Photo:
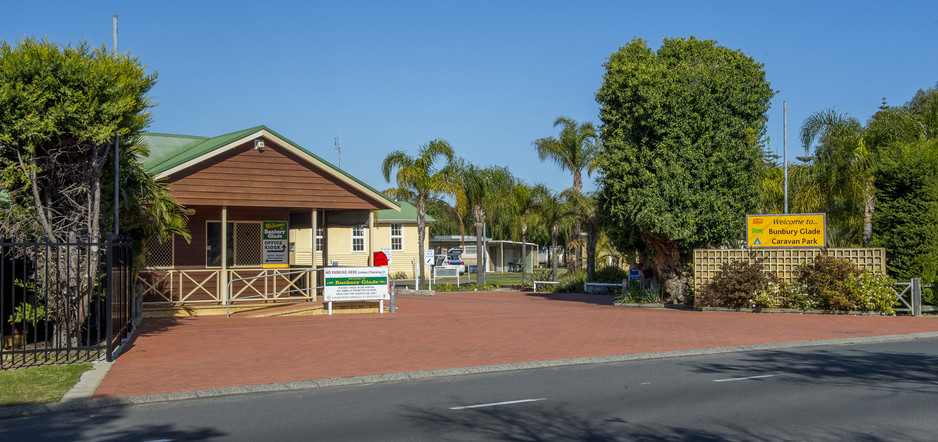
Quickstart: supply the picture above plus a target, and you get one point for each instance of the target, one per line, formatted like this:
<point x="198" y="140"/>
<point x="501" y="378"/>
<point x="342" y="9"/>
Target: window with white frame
<point x="319" y="239"/>
<point x="358" y="239"/>
<point x="397" y="237"/>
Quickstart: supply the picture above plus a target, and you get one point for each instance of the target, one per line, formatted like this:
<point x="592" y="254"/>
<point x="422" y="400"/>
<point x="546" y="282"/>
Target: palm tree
<point x="147" y="208"/>
<point x="418" y="179"/>
<point x="585" y="210"/>
<point x="482" y="188"/>
<point x="575" y="149"/>
<point x="841" y="175"/>
<point x="551" y="211"/>
<point x="522" y="205"/>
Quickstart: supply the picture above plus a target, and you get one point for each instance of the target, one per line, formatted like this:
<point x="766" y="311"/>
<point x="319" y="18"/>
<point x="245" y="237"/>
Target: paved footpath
<point x="446" y="331"/>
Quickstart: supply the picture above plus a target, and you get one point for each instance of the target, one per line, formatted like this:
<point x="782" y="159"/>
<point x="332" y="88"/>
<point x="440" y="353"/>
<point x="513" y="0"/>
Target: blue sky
<point x="487" y="76"/>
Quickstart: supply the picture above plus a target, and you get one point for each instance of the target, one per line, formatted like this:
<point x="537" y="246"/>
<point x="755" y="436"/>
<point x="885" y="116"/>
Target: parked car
<point x="454" y="258"/>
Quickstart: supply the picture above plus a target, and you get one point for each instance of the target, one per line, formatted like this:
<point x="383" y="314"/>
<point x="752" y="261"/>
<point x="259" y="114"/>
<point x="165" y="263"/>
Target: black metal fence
<point x="64" y="302"/>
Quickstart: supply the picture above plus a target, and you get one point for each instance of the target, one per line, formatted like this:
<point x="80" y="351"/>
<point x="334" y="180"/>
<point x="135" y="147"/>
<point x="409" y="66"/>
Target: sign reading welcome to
<point x="355" y="283"/>
<point x="275" y="244"/>
<point x="797" y="230"/>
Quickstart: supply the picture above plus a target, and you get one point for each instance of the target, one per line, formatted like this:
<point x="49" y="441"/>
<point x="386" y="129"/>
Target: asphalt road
<point x="884" y="391"/>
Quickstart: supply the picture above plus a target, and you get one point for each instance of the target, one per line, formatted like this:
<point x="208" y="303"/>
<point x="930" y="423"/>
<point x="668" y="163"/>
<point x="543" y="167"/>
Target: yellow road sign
<point x="792" y="230"/>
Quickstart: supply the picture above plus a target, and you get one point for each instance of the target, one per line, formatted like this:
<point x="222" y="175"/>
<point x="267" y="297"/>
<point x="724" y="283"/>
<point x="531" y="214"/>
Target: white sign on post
<point x="428" y="256"/>
<point x="387" y="252"/>
<point x="356" y="283"/>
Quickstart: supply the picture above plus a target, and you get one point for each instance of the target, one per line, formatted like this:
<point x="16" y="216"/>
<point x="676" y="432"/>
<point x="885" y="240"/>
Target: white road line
<point x="495" y="404"/>
<point x="746" y="378"/>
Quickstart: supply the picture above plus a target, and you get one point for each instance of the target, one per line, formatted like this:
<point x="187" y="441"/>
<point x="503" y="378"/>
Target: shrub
<point x="796" y="295"/>
<point x="837" y="284"/>
<point x="611" y="275"/>
<point x="874" y="292"/>
<point x="735" y="285"/>
<point x="634" y="294"/>
<point x="826" y="280"/>
<point x="571" y="283"/>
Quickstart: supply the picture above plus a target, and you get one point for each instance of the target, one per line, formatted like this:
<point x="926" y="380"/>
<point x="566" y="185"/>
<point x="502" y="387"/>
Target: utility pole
<point x="116" y="157"/>
<point x="785" y="148"/>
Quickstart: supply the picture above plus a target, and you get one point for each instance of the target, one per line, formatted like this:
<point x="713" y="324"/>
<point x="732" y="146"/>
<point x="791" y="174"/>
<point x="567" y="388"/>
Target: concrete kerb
<point x="86" y="403"/>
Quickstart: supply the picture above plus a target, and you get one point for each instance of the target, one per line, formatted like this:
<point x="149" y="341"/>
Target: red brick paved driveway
<point x="449" y="330"/>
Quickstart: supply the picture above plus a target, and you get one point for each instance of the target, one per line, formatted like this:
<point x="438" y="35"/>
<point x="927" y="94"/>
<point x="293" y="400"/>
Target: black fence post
<point x="109" y="308"/>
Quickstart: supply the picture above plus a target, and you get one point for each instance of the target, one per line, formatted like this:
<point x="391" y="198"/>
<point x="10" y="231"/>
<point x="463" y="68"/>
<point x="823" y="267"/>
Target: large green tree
<point x="61" y="109"/>
<point x="907" y="209"/>
<point x="419" y="178"/>
<point x="681" y="131"/>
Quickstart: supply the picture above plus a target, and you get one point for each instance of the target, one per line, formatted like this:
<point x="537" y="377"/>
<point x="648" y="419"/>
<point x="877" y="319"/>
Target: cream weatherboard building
<point x="352" y="243"/>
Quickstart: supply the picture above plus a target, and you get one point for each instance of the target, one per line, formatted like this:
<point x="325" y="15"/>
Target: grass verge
<point x="38" y="385"/>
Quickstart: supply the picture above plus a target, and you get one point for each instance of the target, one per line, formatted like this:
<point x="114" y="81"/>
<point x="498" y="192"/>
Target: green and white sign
<point x="355" y="283"/>
<point x="276" y="244"/>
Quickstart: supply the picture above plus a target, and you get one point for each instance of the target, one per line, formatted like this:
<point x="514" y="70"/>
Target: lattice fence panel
<point x="159" y="253"/>
<point x="784" y="263"/>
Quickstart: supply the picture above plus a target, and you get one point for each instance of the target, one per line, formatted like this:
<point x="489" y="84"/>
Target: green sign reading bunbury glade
<point x="275" y="244"/>
<point x="355" y="283"/>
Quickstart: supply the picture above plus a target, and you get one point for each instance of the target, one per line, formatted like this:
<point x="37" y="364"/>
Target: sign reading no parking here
<point x="794" y="230"/>
<point x="355" y="283"/>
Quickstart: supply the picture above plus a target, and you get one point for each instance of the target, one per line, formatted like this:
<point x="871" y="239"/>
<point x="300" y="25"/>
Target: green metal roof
<point x="407" y="214"/>
<point x="171" y="150"/>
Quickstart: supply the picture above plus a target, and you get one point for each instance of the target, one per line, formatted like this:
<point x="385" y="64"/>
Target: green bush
<point x="837" y="284"/>
<point x="635" y="294"/>
<point x="735" y="285"/>
<point x="611" y="275"/>
<point x="826" y="281"/>
<point x="570" y="283"/>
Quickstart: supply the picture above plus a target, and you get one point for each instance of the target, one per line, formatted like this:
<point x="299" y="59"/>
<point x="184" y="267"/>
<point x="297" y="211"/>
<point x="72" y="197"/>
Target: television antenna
<point x="338" y="148"/>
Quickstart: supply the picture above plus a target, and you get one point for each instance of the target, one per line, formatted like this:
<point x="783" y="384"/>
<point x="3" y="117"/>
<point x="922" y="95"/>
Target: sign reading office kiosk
<point x="356" y="284"/>
<point x="775" y="231"/>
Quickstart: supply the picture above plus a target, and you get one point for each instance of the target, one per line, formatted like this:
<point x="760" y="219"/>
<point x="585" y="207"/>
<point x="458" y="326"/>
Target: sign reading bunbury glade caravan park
<point x="355" y="283"/>
<point x="275" y="244"/>
<point x="793" y="230"/>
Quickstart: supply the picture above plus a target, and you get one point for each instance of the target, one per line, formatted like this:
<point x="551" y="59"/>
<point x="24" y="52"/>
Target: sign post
<point x="780" y="231"/>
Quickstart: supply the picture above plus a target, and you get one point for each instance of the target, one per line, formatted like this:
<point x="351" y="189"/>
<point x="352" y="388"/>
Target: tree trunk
<point x="554" y="237"/>
<point x="577" y="228"/>
<point x="479" y="216"/>
<point x="868" y="219"/>
<point x="421" y="233"/>
<point x="524" y="254"/>
<point x="591" y="253"/>
<point x="665" y="257"/>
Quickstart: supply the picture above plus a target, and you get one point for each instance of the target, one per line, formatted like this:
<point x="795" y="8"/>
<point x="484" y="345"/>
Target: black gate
<point x="64" y="302"/>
